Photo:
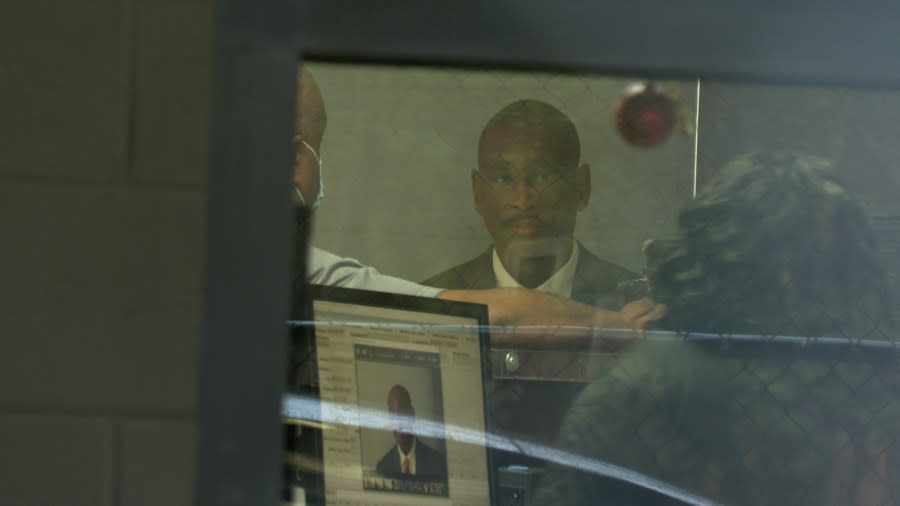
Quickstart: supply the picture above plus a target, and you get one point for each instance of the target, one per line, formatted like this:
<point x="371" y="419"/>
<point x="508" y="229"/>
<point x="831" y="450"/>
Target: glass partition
<point x="691" y="285"/>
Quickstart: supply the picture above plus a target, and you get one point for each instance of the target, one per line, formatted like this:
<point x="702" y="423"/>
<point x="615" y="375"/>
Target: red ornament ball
<point x="645" y="116"/>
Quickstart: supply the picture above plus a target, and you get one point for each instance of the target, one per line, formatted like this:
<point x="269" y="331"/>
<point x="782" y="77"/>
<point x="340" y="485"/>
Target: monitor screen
<point x="401" y="397"/>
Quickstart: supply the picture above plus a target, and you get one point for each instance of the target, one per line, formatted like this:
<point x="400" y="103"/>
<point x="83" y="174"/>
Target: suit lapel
<point x="479" y="272"/>
<point x="582" y="283"/>
<point x="597" y="281"/>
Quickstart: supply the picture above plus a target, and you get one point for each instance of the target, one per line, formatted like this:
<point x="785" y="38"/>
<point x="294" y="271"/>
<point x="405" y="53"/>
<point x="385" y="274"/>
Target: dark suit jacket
<point x="511" y="404"/>
<point x="430" y="463"/>
<point x="597" y="282"/>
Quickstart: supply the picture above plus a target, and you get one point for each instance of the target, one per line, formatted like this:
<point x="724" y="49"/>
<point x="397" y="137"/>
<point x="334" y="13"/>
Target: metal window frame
<point x="257" y="45"/>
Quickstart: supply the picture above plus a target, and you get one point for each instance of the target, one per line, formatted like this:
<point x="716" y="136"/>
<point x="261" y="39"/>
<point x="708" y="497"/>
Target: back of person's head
<point x="310" y="117"/>
<point x="772" y="245"/>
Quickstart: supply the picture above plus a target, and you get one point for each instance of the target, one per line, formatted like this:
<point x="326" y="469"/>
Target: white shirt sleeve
<point x="331" y="270"/>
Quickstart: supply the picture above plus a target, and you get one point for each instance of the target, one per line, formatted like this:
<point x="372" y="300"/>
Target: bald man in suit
<point x="529" y="186"/>
<point x="409" y="458"/>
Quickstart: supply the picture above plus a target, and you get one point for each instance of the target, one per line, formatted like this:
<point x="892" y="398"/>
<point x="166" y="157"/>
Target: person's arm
<point x="519" y="317"/>
<point x="331" y="270"/>
<point x="528" y="317"/>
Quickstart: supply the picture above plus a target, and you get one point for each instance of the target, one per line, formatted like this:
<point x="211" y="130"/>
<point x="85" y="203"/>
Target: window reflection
<point x="767" y="374"/>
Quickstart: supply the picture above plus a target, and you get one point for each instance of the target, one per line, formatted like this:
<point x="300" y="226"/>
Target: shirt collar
<point x="560" y="283"/>
<point x="411" y="456"/>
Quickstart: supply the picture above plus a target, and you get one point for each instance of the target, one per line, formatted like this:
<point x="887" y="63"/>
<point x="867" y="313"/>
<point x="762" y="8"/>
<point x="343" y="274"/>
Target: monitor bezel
<point x="303" y="337"/>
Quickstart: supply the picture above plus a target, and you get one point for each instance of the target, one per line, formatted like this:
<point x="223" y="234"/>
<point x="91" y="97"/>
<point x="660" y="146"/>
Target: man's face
<point x="402" y="414"/>
<point x="528" y="186"/>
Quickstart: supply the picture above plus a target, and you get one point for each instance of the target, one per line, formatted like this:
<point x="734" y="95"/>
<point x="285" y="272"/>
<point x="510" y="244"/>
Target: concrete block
<point x="101" y="299"/>
<point x="157" y="463"/>
<point x="64" y="90"/>
<point x="50" y="460"/>
<point x="173" y="83"/>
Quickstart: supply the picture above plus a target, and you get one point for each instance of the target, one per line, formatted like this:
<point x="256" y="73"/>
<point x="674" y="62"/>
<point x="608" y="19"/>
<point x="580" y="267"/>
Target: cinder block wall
<point x="103" y="168"/>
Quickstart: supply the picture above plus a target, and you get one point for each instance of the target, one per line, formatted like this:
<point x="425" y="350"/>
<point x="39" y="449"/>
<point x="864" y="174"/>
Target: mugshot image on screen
<point x="409" y="384"/>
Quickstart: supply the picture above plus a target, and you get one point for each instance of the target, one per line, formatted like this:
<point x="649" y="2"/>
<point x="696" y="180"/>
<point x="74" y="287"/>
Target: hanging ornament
<point x="645" y="115"/>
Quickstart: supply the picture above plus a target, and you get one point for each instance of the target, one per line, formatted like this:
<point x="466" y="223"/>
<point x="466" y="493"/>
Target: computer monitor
<point x="400" y="399"/>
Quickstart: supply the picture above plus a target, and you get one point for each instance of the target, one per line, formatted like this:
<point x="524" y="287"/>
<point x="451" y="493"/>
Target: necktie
<point x="405" y="464"/>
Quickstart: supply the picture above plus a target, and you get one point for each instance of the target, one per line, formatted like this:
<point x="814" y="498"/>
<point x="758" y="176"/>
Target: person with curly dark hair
<point x="724" y="409"/>
<point x="772" y="245"/>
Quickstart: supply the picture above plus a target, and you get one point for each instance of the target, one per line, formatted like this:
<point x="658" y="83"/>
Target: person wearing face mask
<point x="506" y="306"/>
<point x="325" y="268"/>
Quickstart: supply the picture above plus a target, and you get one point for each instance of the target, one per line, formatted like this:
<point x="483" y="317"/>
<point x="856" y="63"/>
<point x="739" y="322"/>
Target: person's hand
<point x="618" y="330"/>
<point x="635" y="315"/>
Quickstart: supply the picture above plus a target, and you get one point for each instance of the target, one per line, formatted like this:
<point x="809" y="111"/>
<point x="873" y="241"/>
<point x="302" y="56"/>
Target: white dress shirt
<point x="412" y="458"/>
<point x="560" y="283"/>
